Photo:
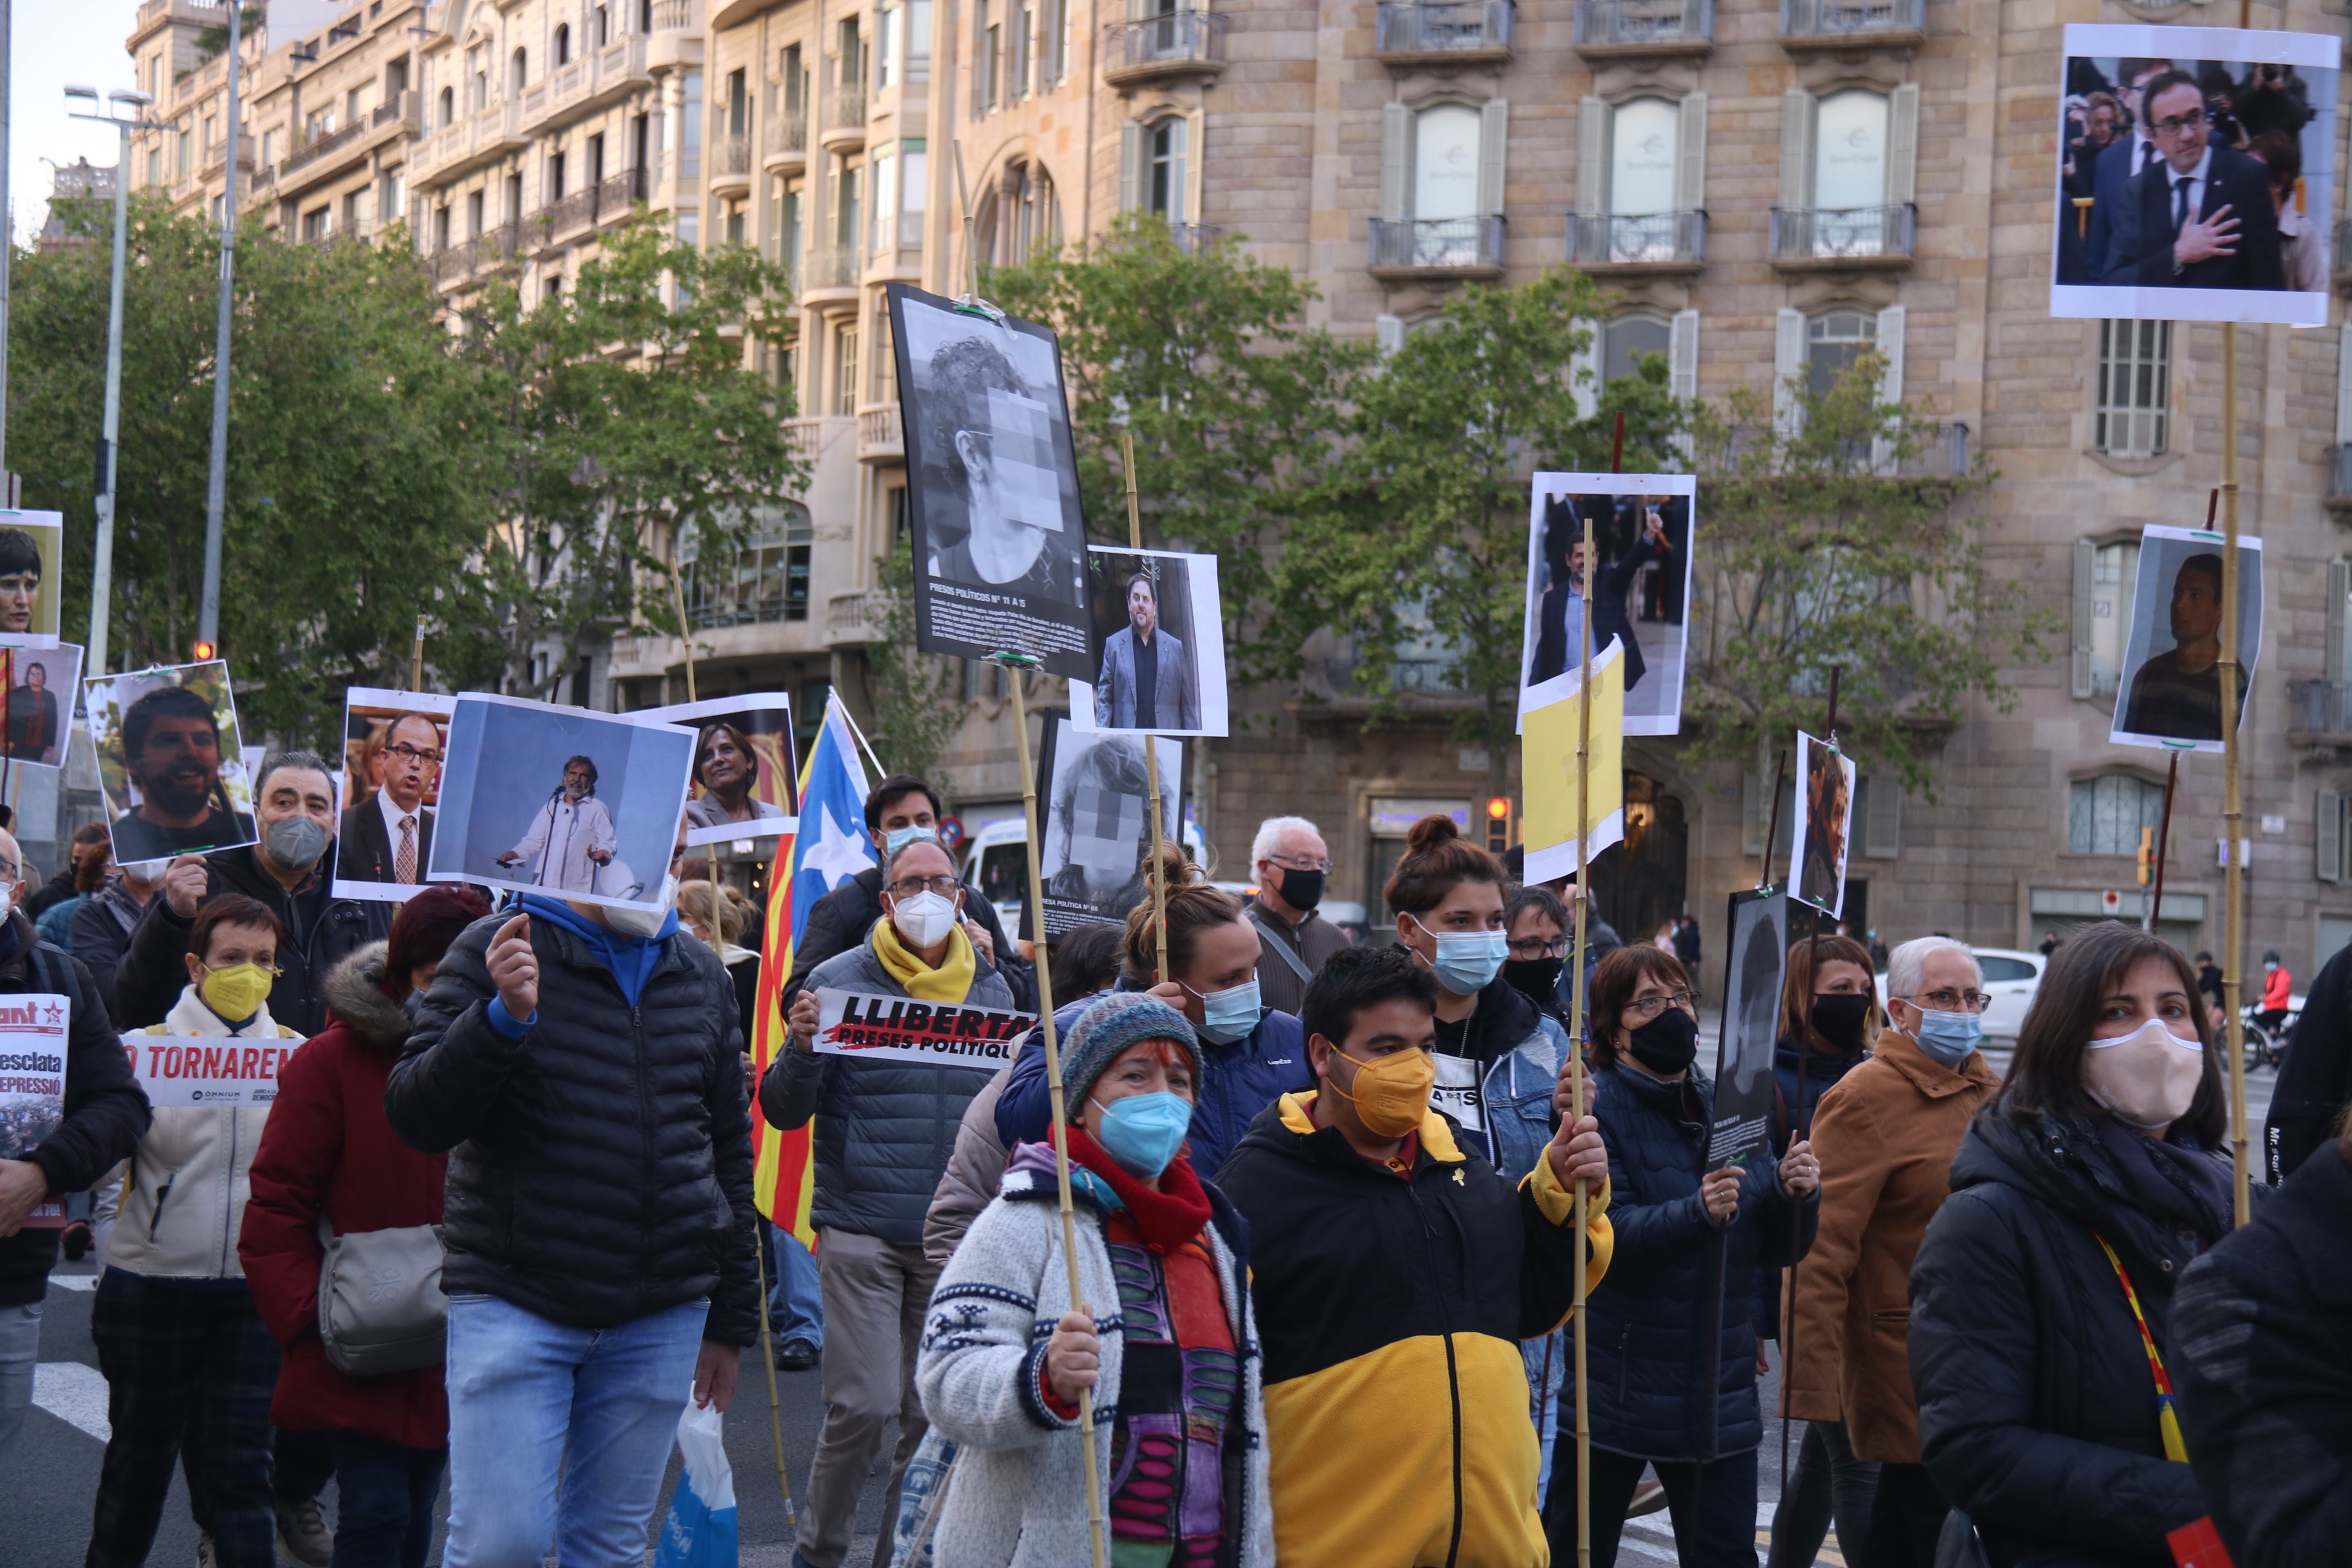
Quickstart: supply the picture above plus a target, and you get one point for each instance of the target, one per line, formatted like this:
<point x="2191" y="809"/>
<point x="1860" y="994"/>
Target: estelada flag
<point x="830" y="848"/>
<point x="1547" y="772"/>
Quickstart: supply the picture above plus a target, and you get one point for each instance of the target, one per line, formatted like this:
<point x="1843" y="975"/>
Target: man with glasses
<point x="884" y="1132"/>
<point x="1885" y="1135"/>
<point x="2206" y="218"/>
<point x="389" y="837"/>
<point x="1291" y="864"/>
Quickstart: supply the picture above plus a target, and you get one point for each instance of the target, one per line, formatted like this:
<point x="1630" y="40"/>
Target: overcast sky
<point x="59" y="43"/>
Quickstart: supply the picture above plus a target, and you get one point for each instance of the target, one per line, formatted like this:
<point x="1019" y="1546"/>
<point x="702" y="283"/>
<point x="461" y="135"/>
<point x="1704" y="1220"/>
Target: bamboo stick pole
<point x="2233" y="873"/>
<point x="1577" y="1024"/>
<point x="1150" y="743"/>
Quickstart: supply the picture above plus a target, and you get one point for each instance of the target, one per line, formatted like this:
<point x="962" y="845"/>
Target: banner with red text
<point x="902" y="1029"/>
<point x="208" y="1069"/>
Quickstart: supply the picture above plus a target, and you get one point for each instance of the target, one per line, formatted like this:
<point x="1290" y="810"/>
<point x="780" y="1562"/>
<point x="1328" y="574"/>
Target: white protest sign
<point x="902" y="1029"/>
<point x="33" y="1082"/>
<point x="1456" y="1092"/>
<point x="208" y="1069"/>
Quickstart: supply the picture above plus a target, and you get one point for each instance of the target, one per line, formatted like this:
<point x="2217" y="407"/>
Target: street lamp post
<point x="101" y="583"/>
<point x="216" y="480"/>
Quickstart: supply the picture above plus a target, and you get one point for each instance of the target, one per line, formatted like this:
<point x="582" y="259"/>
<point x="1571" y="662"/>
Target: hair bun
<point x="1432" y="832"/>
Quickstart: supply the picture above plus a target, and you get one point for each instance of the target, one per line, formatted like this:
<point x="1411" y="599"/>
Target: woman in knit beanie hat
<point x="1162" y="1332"/>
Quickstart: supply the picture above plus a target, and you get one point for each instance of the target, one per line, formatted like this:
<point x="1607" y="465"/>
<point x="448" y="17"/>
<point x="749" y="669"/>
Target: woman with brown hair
<point x="1250" y="1055"/>
<point x="2041" y="1299"/>
<point x="1661" y="1390"/>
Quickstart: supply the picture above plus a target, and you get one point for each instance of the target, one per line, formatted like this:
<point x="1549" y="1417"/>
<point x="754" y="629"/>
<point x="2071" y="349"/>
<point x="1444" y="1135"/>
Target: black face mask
<point x="1302" y="890"/>
<point x="1668" y="1043"/>
<point x="1839" y="1019"/>
<point x="1537" y="978"/>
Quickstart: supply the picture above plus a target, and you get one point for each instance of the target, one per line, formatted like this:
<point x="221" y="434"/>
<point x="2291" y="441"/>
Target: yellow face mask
<point x="235" y="990"/>
<point x="1391" y="1094"/>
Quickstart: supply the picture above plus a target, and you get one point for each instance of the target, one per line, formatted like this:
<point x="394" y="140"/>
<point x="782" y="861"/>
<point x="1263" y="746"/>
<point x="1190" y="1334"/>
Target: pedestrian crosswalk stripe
<point x="75" y="1393"/>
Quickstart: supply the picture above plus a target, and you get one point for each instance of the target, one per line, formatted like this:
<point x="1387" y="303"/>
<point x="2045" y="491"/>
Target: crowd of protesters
<point x="1325" y="1247"/>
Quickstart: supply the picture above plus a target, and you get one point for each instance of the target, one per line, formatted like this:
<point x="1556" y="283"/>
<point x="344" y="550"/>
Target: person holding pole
<point x="1661" y="1389"/>
<point x="1162" y="1334"/>
<point x="1395" y="1279"/>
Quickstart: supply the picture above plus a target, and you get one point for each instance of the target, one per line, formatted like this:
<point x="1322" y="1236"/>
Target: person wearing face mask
<point x="2041" y="1299"/>
<point x="900" y="810"/>
<point x="181" y="1344"/>
<point x="1250" y="1054"/>
<point x="1826" y="1001"/>
<point x="581" y="1066"/>
<point x="1661" y="1390"/>
<point x="1396" y="1277"/>
<point x="1537" y="928"/>
<point x="104" y="920"/>
<point x="884" y="1131"/>
<point x="1163" y="1333"/>
<point x="290" y="872"/>
<point x="1291" y="862"/>
<point x="1886" y="1133"/>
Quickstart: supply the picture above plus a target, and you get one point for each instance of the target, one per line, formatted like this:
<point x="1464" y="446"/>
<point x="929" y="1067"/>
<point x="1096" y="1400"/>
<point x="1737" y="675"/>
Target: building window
<point x="518" y="71"/>
<point x="473" y="214"/>
<point x="795" y="80"/>
<point x="2134" y="386"/>
<point x="446" y="115"/>
<point x="914" y="174"/>
<point x="2115" y="572"/>
<point x="886" y="41"/>
<point x="689" y="129"/>
<point x="1018" y="217"/>
<point x="847" y="206"/>
<point x="1643" y="137"/>
<point x="991" y="31"/>
<point x="315" y="222"/>
<point x="917" y="43"/>
<point x="1445" y="162"/>
<point x="441" y="228"/>
<point x="845" y="370"/>
<point x="1628" y="339"/>
<point x="882" y="372"/>
<point x="563" y="43"/>
<point x="600" y="25"/>
<point x="1850" y="150"/>
<point x="736" y="214"/>
<point x="154" y="165"/>
<point x="885" y="164"/>
<point x="764" y="580"/>
<point x="788" y="230"/>
<point x="739" y="103"/>
<point x="1024" y="21"/>
<point x="555" y="177"/>
<point x="1164" y="181"/>
<point x="1834" y="341"/>
<point x="2104" y="814"/>
<point x="1058" y="39"/>
<point x="392" y="195"/>
<point x="183" y="141"/>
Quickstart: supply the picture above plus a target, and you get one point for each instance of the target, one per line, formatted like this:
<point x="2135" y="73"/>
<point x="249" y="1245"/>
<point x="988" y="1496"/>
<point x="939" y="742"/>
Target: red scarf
<point x="1166" y="1218"/>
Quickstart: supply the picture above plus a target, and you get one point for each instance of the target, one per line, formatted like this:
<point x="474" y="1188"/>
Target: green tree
<point x="1828" y="537"/>
<point x="1414" y="546"/>
<point x="621" y="413"/>
<point x="918" y="698"/>
<point x="355" y="493"/>
<point x="1203" y="355"/>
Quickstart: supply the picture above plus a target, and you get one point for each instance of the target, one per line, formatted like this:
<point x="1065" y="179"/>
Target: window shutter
<point x="1196" y="153"/>
<point x="1903" y="145"/>
<point x="1396" y="134"/>
<point x="1752" y="816"/>
<point x="1690" y="155"/>
<point x="1584" y="371"/>
<point x="1681" y="356"/>
<point x="2339" y="589"/>
<point x="1131" y="166"/>
<point x="1388" y="333"/>
<point x="1882" y="834"/>
<point x="1592" y="157"/>
<point x="1890" y="380"/>
<point x="2343" y="386"/>
<point x="1494" y="140"/>
<point x="2086" y="554"/>
<point x="1788" y="363"/>
<point x="2327" y="836"/>
<point x="1796" y="148"/>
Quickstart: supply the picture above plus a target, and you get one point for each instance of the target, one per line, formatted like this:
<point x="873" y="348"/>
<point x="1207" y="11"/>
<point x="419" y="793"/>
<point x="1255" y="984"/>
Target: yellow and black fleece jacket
<point x="1391" y="1311"/>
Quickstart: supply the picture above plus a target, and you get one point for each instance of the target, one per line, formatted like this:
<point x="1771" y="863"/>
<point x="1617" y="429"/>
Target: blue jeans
<point x="385" y="1516"/>
<point x="532" y="1400"/>
<point x="795" y="1310"/>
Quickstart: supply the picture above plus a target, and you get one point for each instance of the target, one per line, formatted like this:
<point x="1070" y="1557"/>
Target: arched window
<point x="563" y="43"/>
<point x="600" y="27"/>
<point x="521" y="72"/>
<point x="1833" y="341"/>
<point x="1643" y="137"/>
<point x="1445" y="162"/>
<point x="2104" y="814"/>
<point x="448" y="108"/>
<point x="1019" y="215"/>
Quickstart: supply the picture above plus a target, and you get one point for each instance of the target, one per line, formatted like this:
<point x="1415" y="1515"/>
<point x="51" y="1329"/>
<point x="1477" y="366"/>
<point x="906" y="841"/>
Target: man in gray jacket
<point x="874" y="1184"/>
<point x="1145" y="684"/>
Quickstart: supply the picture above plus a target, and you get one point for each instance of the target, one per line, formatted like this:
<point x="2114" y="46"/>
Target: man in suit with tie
<point x="2206" y="218"/>
<point x="2114" y="220"/>
<point x="389" y="838"/>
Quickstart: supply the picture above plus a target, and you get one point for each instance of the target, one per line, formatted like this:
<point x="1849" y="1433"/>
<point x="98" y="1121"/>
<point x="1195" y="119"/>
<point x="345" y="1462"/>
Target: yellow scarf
<point x="950" y="982"/>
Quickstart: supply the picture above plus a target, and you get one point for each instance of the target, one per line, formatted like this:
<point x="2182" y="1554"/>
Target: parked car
<point x="2010" y="980"/>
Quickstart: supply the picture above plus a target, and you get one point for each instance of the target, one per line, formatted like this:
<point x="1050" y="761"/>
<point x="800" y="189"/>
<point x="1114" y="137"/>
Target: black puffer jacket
<point x="2037" y="1407"/>
<point x="322" y="931"/>
<point x="600" y="1166"/>
<point x="2264" y="1373"/>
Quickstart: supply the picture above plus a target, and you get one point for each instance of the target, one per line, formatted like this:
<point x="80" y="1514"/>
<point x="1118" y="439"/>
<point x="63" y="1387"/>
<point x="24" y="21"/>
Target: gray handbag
<point x="381" y="1308"/>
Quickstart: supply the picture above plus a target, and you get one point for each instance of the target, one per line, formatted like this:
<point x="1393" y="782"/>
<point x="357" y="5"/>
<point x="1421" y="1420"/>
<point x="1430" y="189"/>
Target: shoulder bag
<point x="381" y="1308"/>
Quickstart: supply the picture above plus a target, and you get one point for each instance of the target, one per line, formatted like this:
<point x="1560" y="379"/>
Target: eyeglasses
<point x="408" y="754"/>
<point x="10" y="871"/>
<point x="1299" y="862"/>
<point x="1950" y="1001"/>
<point x="908" y="887"/>
<point x="1651" y="1006"/>
<point x="1538" y="947"/>
<point x="2175" y="126"/>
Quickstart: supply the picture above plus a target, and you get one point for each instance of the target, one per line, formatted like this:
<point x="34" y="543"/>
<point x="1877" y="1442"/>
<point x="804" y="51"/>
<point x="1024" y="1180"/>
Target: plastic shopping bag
<point x="700" y="1530"/>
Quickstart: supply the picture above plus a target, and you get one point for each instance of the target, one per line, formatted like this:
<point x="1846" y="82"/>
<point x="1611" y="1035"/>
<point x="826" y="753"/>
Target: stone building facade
<point x="1766" y="189"/>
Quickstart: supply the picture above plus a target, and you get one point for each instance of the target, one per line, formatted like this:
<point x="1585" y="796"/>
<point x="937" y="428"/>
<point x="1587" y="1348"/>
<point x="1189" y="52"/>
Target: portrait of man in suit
<point x="2113" y="238"/>
<point x="1559" y="625"/>
<point x="388" y="837"/>
<point x="32" y="715"/>
<point x="2205" y="213"/>
<point x="1146" y="682"/>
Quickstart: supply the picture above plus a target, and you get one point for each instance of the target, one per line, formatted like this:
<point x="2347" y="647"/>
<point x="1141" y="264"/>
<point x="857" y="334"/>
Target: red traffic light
<point x="1499" y="808"/>
<point x="203" y="651"/>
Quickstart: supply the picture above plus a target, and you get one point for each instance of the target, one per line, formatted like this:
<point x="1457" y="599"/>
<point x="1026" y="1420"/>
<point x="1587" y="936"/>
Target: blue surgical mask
<point x="1468" y="961"/>
<point x="1949" y="1038"/>
<point x="1230" y="1014"/>
<point x="1143" y="1132"/>
<point x="898" y="839"/>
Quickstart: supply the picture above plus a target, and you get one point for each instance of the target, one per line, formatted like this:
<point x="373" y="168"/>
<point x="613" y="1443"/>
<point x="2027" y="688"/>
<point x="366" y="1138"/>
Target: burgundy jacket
<point x="326" y="1144"/>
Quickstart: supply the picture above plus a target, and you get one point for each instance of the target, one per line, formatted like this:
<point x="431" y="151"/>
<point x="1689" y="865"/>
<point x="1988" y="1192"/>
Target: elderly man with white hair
<point x="1290" y="862"/>
<point x="1886" y="1136"/>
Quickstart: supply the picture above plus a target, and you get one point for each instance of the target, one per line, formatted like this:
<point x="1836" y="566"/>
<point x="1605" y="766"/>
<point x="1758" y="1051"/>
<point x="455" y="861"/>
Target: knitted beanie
<point x="1110" y="1026"/>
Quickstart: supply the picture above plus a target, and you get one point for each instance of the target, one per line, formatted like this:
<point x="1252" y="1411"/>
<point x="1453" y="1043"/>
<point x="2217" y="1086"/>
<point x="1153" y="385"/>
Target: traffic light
<point x="203" y="651"/>
<point x="1498" y="824"/>
<point x="2147" y="856"/>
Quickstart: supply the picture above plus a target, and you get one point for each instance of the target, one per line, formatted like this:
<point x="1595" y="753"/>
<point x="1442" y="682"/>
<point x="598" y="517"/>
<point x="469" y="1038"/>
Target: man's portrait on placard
<point x="393" y="746"/>
<point x="170" y="761"/>
<point x="1636" y="592"/>
<point x="2170" y="690"/>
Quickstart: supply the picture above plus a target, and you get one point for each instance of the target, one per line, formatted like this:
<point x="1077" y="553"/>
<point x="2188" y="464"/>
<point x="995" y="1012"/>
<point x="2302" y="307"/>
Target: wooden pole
<point x="1150" y="743"/>
<point x="417" y="659"/>
<point x="1576" y="1031"/>
<point x="2232" y="808"/>
<point x="972" y="278"/>
<point x="2163" y="842"/>
<point x="1014" y="665"/>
